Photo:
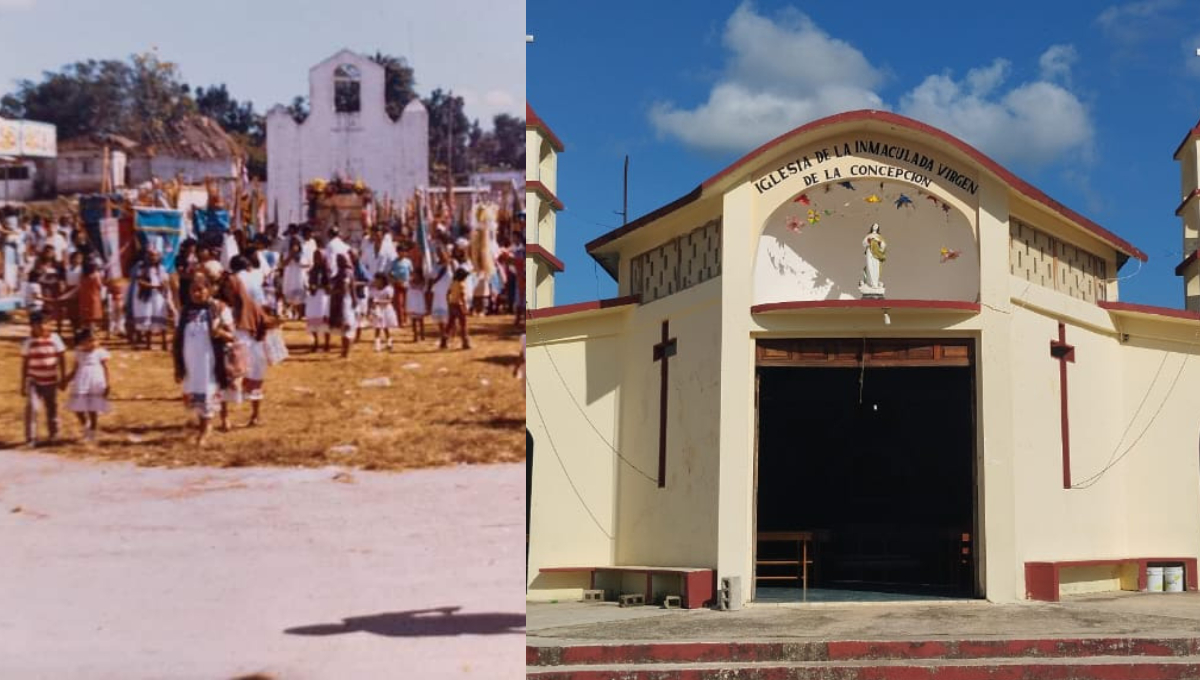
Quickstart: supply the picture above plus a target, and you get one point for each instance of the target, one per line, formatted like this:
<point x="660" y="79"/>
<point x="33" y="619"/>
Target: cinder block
<point x="630" y="599"/>
<point x="593" y="596"/>
<point x="672" y="602"/>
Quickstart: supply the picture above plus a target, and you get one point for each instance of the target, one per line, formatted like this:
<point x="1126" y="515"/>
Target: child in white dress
<point x="205" y="325"/>
<point x="88" y="383"/>
<point x="294" y="275"/>
<point x="414" y="303"/>
<point x="383" y="314"/>
<point x="150" y="308"/>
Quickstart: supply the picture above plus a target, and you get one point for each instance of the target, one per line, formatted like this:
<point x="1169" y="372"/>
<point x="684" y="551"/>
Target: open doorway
<point x="865" y="470"/>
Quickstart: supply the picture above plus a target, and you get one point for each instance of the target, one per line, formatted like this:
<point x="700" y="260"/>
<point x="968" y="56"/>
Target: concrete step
<point x="849" y="650"/>
<point x="1080" y="668"/>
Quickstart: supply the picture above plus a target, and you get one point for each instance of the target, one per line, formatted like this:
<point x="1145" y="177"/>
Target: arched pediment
<point x="812" y="247"/>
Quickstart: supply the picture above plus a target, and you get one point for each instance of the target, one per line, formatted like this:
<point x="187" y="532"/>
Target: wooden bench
<point x="1042" y="579"/>
<point x="698" y="585"/>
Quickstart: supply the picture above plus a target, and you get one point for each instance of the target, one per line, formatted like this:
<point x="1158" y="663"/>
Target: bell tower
<point x="542" y="147"/>
<point x="1188" y="155"/>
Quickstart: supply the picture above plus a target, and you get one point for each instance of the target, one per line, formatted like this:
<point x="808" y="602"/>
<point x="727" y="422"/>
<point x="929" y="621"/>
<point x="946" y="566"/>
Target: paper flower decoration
<point x="848" y="185"/>
<point x="932" y="199"/>
<point x="903" y="201"/>
<point x="872" y="199"/>
<point x="949" y="254"/>
<point x="813" y="217"/>
<point x="802" y="199"/>
<point x="945" y="207"/>
<point x="793" y="223"/>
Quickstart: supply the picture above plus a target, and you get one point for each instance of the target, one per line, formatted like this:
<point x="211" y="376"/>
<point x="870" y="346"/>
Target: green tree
<point x="83" y="98"/>
<point x="157" y="97"/>
<point x="399" y="83"/>
<point x="449" y="129"/>
<point x="298" y="108"/>
<point x="234" y="117"/>
<point x="509" y="132"/>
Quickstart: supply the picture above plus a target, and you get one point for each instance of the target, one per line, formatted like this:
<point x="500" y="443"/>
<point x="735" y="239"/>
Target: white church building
<point x="347" y="134"/>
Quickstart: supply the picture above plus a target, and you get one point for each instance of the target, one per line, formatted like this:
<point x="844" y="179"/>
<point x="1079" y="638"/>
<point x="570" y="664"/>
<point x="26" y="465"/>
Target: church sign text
<point x="812" y="166"/>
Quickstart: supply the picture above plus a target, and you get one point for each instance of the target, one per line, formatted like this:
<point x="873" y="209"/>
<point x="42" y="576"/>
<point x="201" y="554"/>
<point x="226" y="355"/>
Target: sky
<point x="262" y="49"/>
<point x="1087" y="101"/>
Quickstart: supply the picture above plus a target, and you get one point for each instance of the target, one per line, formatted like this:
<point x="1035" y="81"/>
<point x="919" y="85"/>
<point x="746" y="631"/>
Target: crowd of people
<point x="219" y="309"/>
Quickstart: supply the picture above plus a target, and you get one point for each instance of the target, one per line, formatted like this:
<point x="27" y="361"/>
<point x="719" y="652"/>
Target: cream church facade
<point x="865" y="358"/>
<point x="347" y="134"/>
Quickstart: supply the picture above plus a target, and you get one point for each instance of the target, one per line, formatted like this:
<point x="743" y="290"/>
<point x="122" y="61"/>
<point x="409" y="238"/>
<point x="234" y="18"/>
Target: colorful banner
<point x="210" y="220"/>
<point x="160" y="229"/>
<point x="92" y="209"/>
<point x="110" y="237"/>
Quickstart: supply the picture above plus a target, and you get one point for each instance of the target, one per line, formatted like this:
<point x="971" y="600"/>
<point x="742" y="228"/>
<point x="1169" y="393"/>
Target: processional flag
<point x="160" y="229"/>
<point x="423" y="236"/>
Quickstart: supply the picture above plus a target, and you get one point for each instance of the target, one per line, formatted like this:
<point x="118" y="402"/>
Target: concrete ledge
<point x="849" y="650"/>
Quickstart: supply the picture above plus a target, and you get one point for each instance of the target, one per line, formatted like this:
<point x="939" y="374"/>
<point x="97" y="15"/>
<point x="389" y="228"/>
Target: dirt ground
<point x="441" y="407"/>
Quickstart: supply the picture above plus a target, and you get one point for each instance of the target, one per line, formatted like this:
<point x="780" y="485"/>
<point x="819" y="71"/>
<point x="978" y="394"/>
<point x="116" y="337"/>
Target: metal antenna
<point x="624" y="211"/>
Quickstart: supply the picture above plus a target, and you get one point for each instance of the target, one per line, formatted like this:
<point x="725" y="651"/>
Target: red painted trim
<point x="1041" y="581"/>
<point x="854" y="650"/>
<point x="536" y="250"/>
<point x="889" y="118"/>
<point x="532" y="120"/>
<point x="560" y="310"/>
<point x="1186" y="261"/>
<point x="1186" y="138"/>
<point x="1143" y="670"/>
<point x="542" y="190"/>
<point x="1150" y="309"/>
<point x="929" y="305"/>
<point x="1042" y="578"/>
<point x="1186" y="199"/>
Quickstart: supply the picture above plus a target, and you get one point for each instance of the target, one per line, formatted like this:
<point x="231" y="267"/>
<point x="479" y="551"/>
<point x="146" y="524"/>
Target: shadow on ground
<point x="421" y="623"/>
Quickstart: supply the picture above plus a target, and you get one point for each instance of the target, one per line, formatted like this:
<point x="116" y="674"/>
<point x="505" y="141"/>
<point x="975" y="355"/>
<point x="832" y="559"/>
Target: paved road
<point x="108" y="570"/>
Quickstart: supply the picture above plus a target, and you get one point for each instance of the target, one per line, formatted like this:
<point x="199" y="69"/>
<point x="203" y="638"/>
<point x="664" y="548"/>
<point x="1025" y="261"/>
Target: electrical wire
<point x="566" y="474"/>
<point x="1129" y="426"/>
<point x="1092" y="480"/>
<point x="588" y="420"/>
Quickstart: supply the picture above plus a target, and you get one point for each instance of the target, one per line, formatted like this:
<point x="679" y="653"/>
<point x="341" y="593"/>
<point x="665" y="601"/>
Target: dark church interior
<point x="881" y="472"/>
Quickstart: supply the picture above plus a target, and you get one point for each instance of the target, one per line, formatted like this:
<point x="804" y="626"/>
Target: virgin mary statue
<point x="875" y="250"/>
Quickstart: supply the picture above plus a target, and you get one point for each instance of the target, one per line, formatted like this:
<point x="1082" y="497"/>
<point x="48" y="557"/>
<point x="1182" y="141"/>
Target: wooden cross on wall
<point x="1059" y="349"/>
<point x="663" y="351"/>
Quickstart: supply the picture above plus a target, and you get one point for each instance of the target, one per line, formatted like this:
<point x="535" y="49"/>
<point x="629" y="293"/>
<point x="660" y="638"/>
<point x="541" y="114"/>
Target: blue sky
<point x="262" y="49"/>
<point x="1087" y="101"/>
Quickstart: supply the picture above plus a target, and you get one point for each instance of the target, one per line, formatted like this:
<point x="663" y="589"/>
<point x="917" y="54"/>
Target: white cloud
<point x="1033" y="123"/>
<point x="791" y="53"/>
<point x="781" y="74"/>
<point x="1191" y="49"/>
<point x="1055" y="63"/>
<point x="785" y="72"/>
<point x="15" y="4"/>
<point x="1130" y="23"/>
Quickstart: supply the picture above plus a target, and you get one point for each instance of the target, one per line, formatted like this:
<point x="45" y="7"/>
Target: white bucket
<point x="1173" y="579"/>
<point x="1154" y="579"/>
